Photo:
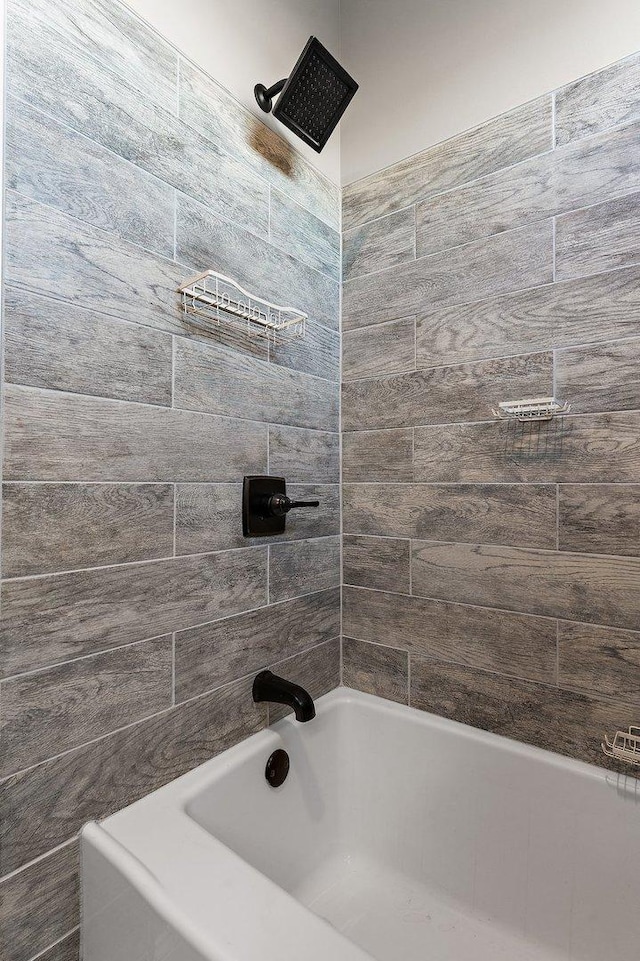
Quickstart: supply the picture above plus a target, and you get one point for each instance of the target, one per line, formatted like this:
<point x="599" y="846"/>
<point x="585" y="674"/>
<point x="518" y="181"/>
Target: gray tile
<point x="45" y="805"/>
<point x="574" y="176"/>
<point x="301" y="567"/>
<point x="599" y="519"/>
<point x="296" y="231"/>
<point x="212" y="655"/>
<point x="230" y="383"/>
<point x="516" y="514"/>
<point x="115" y="38"/>
<point x="376" y="562"/>
<point x="58" y="527"/>
<point x="55" y="710"/>
<point x="203" y="239"/>
<point x="578" y="587"/>
<point x="377" y="455"/>
<point x="50" y="343"/>
<point x="603" y="237"/>
<point x="444" y="394"/>
<point x="52" y="164"/>
<point x="71" y="83"/>
<point x="39" y="905"/>
<point x="515" y="644"/>
<point x="599" y="101"/>
<point x="600" y="377"/>
<point x="598" y="448"/>
<point x="375" y="669"/>
<point x="592" y="310"/>
<point x="317" y="353"/>
<point x="49" y="253"/>
<point x="55" y="436"/>
<point x="213" y="112"/>
<point x="599" y="660"/>
<point x="304" y="456"/>
<point x="509" y="261"/>
<point x="382" y="349"/>
<point x="50" y="619"/>
<point x="209" y="516"/>
<point x="379" y="244"/>
<point x="66" y="950"/>
<point x="317" y="670"/>
<point x="505" y="140"/>
<point x="560" y="721"/>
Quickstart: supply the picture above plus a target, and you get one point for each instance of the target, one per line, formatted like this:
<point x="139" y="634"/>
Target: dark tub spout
<point x="269" y="687"/>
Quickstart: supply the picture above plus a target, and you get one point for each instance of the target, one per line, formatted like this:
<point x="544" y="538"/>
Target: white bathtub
<point x="397" y="836"/>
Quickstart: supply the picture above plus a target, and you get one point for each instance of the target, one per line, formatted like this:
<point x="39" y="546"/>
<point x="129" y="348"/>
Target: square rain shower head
<point x="315" y="96"/>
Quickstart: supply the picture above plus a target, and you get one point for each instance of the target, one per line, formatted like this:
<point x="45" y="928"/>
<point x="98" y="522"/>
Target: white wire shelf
<point x="531" y="409"/>
<point x="625" y="746"/>
<point x="218" y="300"/>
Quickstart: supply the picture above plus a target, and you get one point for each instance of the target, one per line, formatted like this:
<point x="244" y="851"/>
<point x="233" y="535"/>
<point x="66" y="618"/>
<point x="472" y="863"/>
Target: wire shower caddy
<point x="625" y="746"/>
<point x="531" y="410"/>
<point x="218" y="301"/>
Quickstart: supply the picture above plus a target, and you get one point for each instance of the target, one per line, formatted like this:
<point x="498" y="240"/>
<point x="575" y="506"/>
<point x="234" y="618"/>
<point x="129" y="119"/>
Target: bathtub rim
<point x="226" y="936"/>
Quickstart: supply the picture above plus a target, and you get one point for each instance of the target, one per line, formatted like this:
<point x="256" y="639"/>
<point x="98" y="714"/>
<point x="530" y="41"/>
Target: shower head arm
<point x="264" y="95"/>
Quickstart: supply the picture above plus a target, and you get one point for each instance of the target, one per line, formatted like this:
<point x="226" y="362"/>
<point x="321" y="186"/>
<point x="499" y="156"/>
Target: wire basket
<point x="530" y="410"/>
<point x="217" y="300"/>
<point x="625" y="746"/>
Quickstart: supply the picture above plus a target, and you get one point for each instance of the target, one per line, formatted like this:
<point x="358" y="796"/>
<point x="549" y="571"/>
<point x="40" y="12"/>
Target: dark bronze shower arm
<point x="264" y="95"/>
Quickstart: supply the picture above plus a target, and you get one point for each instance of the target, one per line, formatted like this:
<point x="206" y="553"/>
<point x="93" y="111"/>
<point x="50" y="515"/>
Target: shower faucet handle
<point x="279" y="504"/>
<point x="265" y="505"/>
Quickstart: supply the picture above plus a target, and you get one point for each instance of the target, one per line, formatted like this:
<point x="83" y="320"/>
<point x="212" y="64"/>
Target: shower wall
<point x="492" y="571"/>
<point x="134" y="614"/>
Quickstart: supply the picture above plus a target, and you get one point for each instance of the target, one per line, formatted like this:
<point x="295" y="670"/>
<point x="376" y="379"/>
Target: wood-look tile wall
<point x="492" y="572"/>
<point x="133" y="612"/>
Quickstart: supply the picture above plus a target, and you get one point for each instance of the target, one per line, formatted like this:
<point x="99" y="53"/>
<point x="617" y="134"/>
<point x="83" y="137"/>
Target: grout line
<point x="55" y="944"/>
<point x="173" y="373"/>
<point x="45" y="669"/>
<point x="558" y="521"/>
<point x="485" y="421"/>
<point x="55" y="394"/>
<point x="376" y="220"/>
<point x="480" y="607"/>
<point x="175" y="518"/>
<point x="175" y="226"/>
<point x="481" y="361"/>
<point x="41" y="857"/>
<point x="520" y="549"/>
<point x="173" y="670"/>
<point x="557" y="664"/>
<point x="410" y="566"/>
<point x="491" y="483"/>
<point x="553" y="249"/>
<point x="525" y="351"/>
<point x="128" y="483"/>
<point x="152" y="560"/>
<point x="415" y="231"/>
